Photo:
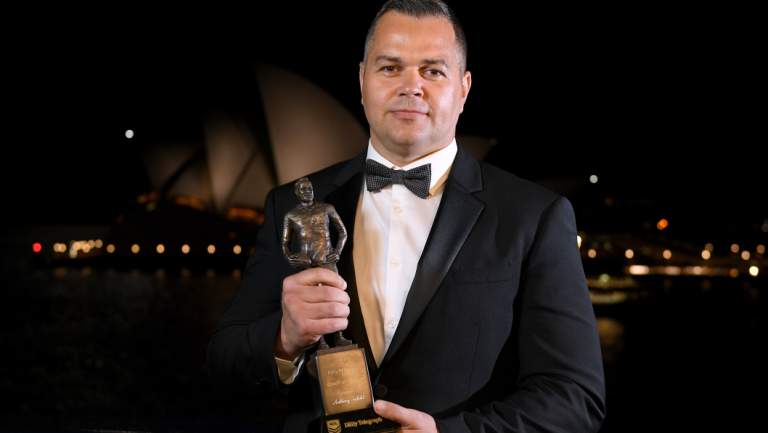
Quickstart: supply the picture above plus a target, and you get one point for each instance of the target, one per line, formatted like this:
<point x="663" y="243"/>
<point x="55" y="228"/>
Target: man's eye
<point x="435" y="72"/>
<point x="388" y="68"/>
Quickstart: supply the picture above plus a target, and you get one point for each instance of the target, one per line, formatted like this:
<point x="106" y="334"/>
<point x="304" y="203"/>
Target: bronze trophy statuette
<point x="341" y="371"/>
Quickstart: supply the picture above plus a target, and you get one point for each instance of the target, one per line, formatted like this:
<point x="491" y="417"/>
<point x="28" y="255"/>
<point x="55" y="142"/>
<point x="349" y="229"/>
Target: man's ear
<point x="361" y="74"/>
<point x="466" y="84"/>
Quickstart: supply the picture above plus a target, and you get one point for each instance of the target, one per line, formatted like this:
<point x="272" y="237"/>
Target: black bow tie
<point x="377" y="176"/>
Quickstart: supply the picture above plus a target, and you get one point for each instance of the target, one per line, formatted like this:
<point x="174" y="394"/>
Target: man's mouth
<point x="408" y="114"/>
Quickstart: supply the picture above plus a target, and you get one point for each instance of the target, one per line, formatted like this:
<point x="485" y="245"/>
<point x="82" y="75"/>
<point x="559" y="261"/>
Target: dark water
<point x="121" y="349"/>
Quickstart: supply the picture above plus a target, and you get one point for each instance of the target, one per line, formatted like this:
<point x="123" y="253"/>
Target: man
<point x="464" y="285"/>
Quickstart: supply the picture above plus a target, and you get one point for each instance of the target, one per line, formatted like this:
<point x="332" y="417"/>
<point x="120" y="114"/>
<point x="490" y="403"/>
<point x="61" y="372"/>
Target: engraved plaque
<point x="344" y="382"/>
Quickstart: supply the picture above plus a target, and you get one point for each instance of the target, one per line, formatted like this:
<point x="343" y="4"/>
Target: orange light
<point x="37" y="247"/>
<point x="185" y="249"/>
<point x="629" y="253"/>
<point x="237" y="249"/>
<point x="592" y="253"/>
<point x="211" y="249"/>
<point x="706" y="255"/>
<point x="639" y="270"/>
<point x="662" y="224"/>
<point x="667" y="254"/>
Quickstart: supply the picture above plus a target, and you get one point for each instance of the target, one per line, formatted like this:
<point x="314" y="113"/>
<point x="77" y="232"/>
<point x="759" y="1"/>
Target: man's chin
<point x="410" y="140"/>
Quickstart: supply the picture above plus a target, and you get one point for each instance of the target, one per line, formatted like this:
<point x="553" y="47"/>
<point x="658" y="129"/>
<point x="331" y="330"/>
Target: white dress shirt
<point x="391" y="229"/>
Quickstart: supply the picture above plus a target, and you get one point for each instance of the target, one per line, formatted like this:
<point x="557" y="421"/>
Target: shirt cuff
<point x="288" y="370"/>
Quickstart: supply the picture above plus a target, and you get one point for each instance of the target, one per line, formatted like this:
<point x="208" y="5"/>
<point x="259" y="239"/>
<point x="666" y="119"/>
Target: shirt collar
<point x="440" y="161"/>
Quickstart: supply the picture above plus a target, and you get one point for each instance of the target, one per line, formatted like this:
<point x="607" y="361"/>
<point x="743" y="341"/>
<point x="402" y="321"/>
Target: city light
<point x="129" y="133"/>
<point x="593" y="179"/>
<point x="662" y="224"/>
<point x="696" y="270"/>
<point x="578" y="241"/>
<point x="211" y="249"/>
<point x="760" y="249"/>
<point x="592" y="253"/>
<point x="709" y="247"/>
<point x="629" y="253"/>
<point x="135" y="249"/>
<point x="734" y="248"/>
<point x="672" y="270"/>
<point x="667" y="254"/>
<point x="639" y="270"/>
<point x="706" y="255"/>
<point x="237" y="249"/>
<point x="745" y="255"/>
<point x="110" y="248"/>
<point x="160" y="248"/>
<point x="185" y="249"/>
<point x="37" y="247"/>
<point x="754" y="271"/>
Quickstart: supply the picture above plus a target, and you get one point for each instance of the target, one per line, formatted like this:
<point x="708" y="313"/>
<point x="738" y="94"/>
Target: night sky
<point x="660" y="103"/>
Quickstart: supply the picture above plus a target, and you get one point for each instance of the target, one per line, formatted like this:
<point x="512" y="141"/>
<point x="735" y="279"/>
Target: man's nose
<point x="411" y="83"/>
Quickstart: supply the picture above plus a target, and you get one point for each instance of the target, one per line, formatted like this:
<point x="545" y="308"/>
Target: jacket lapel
<point x="456" y="216"/>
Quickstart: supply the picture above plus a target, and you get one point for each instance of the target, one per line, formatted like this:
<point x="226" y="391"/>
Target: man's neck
<point x="402" y="160"/>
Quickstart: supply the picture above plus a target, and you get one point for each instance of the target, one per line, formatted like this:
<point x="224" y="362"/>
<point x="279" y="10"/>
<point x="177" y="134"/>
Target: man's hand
<point x="310" y="310"/>
<point x="410" y="420"/>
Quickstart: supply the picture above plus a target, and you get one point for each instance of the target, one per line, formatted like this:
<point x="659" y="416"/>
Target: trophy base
<point x="358" y="421"/>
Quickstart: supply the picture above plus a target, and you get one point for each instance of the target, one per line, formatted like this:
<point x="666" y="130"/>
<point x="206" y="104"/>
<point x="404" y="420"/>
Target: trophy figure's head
<point x="303" y="190"/>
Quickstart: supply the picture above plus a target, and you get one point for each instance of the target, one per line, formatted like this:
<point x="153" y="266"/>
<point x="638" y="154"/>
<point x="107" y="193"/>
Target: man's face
<point x="304" y="191"/>
<point x="412" y="84"/>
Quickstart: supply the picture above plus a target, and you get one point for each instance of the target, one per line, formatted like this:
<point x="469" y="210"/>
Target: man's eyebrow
<point x="391" y="59"/>
<point x="398" y="60"/>
<point x="436" y="62"/>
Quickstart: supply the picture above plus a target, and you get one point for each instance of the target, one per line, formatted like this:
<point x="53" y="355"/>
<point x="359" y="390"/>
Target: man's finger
<point x="315" y="294"/>
<point x="327" y="326"/>
<point x="315" y="276"/>
<point x="401" y="415"/>
<point x="327" y="310"/>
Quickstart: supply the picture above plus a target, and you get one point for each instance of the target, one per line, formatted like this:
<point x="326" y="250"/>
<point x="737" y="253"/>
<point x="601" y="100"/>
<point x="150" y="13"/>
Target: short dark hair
<point x="420" y="9"/>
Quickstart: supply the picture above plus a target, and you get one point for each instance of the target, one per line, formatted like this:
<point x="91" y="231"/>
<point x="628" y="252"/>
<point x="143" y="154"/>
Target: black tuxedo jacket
<point x="498" y="332"/>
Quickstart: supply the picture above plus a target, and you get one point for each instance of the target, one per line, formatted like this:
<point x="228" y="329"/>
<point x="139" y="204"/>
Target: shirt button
<point x="398" y="210"/>
<point x="391" y="324"/>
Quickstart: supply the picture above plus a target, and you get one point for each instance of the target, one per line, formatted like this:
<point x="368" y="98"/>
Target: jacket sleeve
<point x="560" y="386"/>
<point x="241" y="351"/>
